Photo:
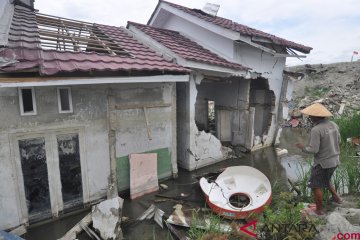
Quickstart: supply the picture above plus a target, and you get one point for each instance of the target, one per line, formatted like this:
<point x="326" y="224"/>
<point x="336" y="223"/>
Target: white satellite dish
<point x="211" y="9"/>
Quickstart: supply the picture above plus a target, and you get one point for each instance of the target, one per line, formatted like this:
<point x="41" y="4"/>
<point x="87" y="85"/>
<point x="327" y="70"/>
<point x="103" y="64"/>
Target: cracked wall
<point x="200" y="148"/>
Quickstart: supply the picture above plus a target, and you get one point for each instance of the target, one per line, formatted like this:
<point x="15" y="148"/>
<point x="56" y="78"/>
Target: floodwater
<point x="275" y="168"/>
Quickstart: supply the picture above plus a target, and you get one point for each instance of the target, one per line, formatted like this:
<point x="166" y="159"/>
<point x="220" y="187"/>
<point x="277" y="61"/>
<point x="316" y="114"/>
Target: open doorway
<point x="263" y="100"/>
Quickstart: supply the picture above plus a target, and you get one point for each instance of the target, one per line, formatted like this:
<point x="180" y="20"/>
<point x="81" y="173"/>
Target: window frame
<point x="21" y="102"/>
<point x="69" y="98"/>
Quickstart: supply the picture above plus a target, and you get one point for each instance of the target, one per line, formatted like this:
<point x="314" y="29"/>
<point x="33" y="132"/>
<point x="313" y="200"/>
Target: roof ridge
<point x="238" y="27"/>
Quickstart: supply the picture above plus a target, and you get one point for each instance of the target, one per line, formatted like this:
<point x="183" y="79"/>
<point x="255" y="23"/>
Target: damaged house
<point x="236" y="94"/>
<point x="76" y="99"/>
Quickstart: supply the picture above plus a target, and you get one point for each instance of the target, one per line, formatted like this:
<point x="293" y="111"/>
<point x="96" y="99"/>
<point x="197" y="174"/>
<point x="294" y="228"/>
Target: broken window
<point x="70" y="168"/>
<point x="64" y="34"/>
<point x="35" y="174"/>
<point x="64" y="100"/>
<point x="27" y="101"/>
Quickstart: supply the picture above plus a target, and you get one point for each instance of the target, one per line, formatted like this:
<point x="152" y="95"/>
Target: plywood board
<point x="143" y="174"/>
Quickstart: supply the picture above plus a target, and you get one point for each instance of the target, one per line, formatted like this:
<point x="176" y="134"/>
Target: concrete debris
<point x="106" y="217"/>
<point x="336" y="224"/>
<point x="334" y="85"/>
<point x="153" y="212"/>
<point x="281" y="151"/>
<point x="351" y="214"/>
<point x="180" y="217"/>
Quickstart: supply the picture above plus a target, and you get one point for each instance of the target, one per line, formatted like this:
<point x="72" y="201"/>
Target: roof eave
<point x="55" y="81"/>
<point x="216" y="69"/>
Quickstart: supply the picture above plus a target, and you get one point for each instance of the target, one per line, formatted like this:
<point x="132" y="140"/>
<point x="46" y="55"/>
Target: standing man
<point x="325" y="145"/>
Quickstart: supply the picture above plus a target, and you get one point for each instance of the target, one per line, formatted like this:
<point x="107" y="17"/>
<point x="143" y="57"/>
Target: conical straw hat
<point x="316" y="110"/>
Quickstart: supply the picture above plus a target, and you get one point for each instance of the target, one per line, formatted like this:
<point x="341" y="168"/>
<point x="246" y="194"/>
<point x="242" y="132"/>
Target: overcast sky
<point x="330" y="27"/>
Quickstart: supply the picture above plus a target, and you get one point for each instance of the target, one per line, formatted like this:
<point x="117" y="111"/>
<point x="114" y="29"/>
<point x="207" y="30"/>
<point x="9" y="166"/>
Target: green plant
<point x="207" y="226"/>
<point x="283" y="221"/>
<point x="349" y="126"/>
<point x="303" y="173"/>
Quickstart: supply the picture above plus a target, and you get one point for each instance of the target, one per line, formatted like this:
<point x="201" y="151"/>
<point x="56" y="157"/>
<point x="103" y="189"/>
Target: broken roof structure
<point x="50" y="45"/>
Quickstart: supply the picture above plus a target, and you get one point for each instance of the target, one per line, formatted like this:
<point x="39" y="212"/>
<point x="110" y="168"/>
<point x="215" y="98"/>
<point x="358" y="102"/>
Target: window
<point x="27" y="101"/>
<point x="64" y="100"/>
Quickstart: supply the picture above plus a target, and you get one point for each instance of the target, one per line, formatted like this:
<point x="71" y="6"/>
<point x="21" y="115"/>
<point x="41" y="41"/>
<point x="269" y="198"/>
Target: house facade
<point x="76" y="99"/>
<point x="248" y="113"/>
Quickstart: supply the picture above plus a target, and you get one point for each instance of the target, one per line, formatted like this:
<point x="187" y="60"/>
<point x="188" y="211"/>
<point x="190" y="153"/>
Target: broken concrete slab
<point x="106" y="217"/>
<point x="336" y="224"/>
<point x="179" y="217"/>
<point x="351" y="214"/>
<point x="143" y="174"/>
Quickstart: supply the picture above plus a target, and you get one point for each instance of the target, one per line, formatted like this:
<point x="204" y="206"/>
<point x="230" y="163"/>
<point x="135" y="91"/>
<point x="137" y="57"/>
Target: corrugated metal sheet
<point x="237" y="27"/>
<point x="24" y="46"/>
<point x="184" y="47"/>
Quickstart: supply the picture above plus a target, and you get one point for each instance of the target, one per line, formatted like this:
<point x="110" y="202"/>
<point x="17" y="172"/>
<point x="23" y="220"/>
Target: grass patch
<point x="282" y="220"/>
<point x="349" y="126"/>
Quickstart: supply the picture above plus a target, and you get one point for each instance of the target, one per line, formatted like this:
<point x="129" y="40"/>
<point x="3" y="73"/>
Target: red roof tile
<point x="184" y="47"/>
<point x="24" y="46"/>
<point x="242" y="29"/>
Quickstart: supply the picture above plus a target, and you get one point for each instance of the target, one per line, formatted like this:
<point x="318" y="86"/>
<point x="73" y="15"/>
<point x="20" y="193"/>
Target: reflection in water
<point x="296" y="163"/>
<point x="265" y="160"/>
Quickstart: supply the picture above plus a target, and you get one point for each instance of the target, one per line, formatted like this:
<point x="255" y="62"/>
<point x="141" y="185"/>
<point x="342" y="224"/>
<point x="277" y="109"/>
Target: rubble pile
<point x="336" y="86"/>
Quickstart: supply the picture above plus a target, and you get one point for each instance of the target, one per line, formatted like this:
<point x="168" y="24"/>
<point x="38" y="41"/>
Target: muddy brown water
<point x="274" y="167"/>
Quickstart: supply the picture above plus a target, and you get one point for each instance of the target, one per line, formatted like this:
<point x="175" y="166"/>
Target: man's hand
<point x="300" y="145"/>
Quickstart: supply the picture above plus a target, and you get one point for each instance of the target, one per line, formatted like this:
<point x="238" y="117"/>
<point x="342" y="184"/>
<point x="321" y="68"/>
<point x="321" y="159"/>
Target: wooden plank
<point x="21" y="230"/>
<point x="71" y="234"/>
<point x="147" y="124"/>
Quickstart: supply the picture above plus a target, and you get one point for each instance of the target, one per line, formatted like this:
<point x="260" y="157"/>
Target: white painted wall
<point x="90" y="121"/>
<point x="210" y="40"/>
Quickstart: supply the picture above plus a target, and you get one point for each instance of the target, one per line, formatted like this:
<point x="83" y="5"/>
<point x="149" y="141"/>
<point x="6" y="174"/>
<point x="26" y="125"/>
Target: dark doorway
<point x="70" y="169"/>
<point x="35" y="174"/>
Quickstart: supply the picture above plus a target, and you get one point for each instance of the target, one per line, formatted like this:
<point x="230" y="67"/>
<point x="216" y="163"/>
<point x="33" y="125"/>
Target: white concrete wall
<point x="90" y="121"/>
<point x="210" y="40"/>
